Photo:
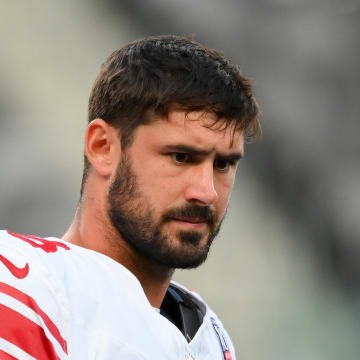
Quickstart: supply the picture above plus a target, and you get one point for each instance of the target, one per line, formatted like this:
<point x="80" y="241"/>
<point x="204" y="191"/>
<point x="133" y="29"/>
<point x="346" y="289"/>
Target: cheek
<point x="222" y="203"/>
<point x="160" y="178"/>
<point x="160" y="190"/>
<point x="224" y="188"/>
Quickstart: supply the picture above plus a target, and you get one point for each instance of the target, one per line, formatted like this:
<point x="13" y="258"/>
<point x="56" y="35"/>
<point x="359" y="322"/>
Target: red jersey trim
<point x="31" y="303"/>
<point x="25" y="334"/>
<point x="5" y="356"/>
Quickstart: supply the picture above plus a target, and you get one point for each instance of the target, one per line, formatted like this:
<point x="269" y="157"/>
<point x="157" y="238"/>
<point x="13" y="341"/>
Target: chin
<point x="191" y="250"/>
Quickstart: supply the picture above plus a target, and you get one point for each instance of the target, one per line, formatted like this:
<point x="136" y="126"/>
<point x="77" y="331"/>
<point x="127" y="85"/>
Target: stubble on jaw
<point x="131" y="216"/>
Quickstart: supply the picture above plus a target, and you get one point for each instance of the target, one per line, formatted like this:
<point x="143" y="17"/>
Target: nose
<point x="201" y="188"/>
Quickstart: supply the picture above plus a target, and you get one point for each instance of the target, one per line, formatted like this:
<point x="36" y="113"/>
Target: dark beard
<point x="132" y="216"/>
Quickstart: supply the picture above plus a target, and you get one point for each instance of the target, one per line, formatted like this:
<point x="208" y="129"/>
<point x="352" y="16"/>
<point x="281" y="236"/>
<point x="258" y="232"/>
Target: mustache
<point x="203" y="213"/>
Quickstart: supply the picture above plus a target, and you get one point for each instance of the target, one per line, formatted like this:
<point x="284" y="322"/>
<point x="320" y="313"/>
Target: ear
<point x="102" y="147"/>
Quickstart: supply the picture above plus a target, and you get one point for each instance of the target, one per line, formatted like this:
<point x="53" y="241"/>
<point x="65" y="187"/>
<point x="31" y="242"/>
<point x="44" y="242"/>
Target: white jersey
<point x="60" y="301"/>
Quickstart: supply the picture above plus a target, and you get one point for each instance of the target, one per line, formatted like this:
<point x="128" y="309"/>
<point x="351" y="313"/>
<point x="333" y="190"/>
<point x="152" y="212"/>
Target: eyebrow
<point x="193" y="150"/>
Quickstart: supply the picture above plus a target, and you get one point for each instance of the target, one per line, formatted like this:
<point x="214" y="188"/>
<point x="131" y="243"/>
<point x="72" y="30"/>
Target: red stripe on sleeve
<point x="6" y="356"/>
<point x="25" y="334"/>
<point x="31" y="303"/>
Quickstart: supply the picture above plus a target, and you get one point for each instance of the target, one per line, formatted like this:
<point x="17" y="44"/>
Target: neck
<point x="92" y="231"/>
<point x="153" y="277"/>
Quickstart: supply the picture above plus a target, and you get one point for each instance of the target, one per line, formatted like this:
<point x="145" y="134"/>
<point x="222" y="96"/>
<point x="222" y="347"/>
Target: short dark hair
<point x="156" y="74"/>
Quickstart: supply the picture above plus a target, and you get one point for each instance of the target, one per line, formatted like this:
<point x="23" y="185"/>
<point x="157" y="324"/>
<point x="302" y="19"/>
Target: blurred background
<point x="284" y="275"/>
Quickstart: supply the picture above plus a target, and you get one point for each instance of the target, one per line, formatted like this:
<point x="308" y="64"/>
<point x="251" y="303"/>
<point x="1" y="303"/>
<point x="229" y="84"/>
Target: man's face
<point x="172" y="187"/>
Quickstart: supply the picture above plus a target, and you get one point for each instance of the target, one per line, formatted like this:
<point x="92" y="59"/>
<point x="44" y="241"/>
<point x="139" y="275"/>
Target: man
<point x="167" y="123"/>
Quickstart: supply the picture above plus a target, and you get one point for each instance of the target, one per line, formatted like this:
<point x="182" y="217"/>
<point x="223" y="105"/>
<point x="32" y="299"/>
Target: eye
<point x="179" y="158"/>
<point x="223" y="164"/>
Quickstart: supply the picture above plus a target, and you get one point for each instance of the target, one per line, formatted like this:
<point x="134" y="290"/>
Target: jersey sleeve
<point x="31" y="308"/>
<point x="105" y="346"/>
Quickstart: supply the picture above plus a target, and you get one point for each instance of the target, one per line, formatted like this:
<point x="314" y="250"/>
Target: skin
<point x="178" y="160"/>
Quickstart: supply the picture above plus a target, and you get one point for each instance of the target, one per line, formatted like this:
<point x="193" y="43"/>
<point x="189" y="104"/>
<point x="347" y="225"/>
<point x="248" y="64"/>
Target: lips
<point x="190" y="220"/>
<point x="192" y="216"/>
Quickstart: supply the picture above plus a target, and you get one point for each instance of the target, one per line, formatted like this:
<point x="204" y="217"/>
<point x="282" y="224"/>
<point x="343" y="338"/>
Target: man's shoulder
<point x="20" y="242"/>
<point x="52" y="256"/>
<point x="29" y="298"/>
<point x="38" y="254"/>
<point x="56" y="288"/>
<point x="33" y="263"/>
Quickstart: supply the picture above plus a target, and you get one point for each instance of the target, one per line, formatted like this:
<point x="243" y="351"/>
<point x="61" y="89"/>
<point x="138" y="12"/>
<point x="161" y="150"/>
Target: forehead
<point x="194" y="128"/>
